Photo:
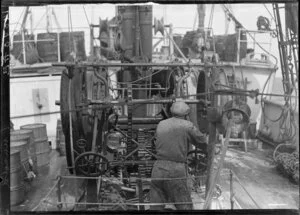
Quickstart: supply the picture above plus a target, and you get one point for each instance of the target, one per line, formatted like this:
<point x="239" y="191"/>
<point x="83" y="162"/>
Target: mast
<point x="23" y="28"/>
<point x="201" y="15"/>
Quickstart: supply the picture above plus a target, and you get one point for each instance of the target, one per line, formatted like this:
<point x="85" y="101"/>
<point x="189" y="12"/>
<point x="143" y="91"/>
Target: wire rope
<point x="248" y="32"/>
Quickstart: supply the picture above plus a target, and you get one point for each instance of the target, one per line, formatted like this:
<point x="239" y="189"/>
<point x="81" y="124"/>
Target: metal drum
<point x="21" y="144"/>
<point x="17" y="134"/>
<point x="240" y="113"/>
<point x="41" y="142"/>
<point x="145" y="13"/>
<point x="128" y="16"/>
<point x="17" y="189"/>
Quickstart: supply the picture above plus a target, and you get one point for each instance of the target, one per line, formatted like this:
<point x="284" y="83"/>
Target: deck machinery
<point x="111" y="104"/>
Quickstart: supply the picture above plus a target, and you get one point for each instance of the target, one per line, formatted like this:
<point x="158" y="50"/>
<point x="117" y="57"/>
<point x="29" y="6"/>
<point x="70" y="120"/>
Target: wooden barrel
<point x="17" y="134"/>
<point x="41" y="142"/>
<point x="17" y="189"/>
<point x="21" y="144"/>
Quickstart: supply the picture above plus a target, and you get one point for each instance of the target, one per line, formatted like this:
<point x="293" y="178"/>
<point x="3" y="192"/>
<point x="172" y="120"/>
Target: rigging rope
<point x="87" y="19"/>
<point x="18" y="22"/>
<point x="272" y="17"/>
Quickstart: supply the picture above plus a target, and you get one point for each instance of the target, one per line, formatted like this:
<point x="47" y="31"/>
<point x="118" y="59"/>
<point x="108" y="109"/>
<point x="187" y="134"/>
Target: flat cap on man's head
<point x="180" y="108"/>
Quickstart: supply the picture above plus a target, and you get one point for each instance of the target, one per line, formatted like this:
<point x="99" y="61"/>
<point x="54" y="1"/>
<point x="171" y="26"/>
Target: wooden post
<point x="214" y="177"/>
<point x="59" y="193"/>
<point x="23" y="47"/>
<point x="211" y="138"/>
<point x="211" y="155"/>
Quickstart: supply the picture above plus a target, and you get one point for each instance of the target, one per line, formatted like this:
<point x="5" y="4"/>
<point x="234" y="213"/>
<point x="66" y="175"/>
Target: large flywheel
<point x="78" y="84"/>
<point x="70" y="97"/>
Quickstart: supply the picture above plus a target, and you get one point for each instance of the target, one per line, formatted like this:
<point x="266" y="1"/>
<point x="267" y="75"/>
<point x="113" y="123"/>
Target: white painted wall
<point x="22" y="102"/>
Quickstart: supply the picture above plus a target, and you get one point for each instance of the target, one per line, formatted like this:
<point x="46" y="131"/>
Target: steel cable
<point x="276" y="60"/>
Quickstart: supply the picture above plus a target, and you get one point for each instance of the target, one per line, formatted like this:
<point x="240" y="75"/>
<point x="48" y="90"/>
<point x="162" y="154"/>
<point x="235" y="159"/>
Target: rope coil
<point x="287" y="163"/>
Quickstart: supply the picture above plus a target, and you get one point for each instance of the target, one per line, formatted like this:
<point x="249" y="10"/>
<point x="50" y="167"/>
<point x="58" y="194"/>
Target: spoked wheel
<point x="91" y="164"/>
<point x="197" y="161"/>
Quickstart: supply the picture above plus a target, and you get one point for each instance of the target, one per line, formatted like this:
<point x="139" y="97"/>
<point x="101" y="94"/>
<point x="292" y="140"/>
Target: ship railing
<point x="67" y="193"/>
<point x="254" y="42"/>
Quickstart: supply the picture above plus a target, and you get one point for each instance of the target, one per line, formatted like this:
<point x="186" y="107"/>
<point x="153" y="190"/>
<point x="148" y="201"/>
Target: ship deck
<point x="254" y="168"/>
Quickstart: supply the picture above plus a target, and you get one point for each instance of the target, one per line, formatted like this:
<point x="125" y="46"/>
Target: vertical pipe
<point x="238" y="46"/>
<point x="140" y="193"/>
<point x="231" y="191"/>
<point x="92" y="40"/>
<point x="137" y="32"/>
<point x="58" y="47"/>
<point x="95" y="132"/>
<point x="171" y="51"/>
<point x="70" y="123"/>
<point x="23" y="46"/>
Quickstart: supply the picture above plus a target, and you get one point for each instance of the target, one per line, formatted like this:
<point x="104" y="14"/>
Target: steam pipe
<point x="104" y="81"/>
<point x="147" y="101"/>
<point x="131" y="64"/>
<point x="124" y="120"/>
<point x="137" y="32"/>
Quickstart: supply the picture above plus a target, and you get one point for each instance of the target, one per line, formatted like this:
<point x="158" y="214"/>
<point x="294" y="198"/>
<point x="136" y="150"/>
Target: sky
<point x="181" y="16"/>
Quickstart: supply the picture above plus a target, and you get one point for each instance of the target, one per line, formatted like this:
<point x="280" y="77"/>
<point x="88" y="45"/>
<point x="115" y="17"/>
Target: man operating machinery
<point x="174" y="137"/>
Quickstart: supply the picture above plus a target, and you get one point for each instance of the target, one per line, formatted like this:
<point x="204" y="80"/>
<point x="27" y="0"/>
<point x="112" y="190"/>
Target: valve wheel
<point x="197" y="161"/>
<point x="91" y="164"/>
